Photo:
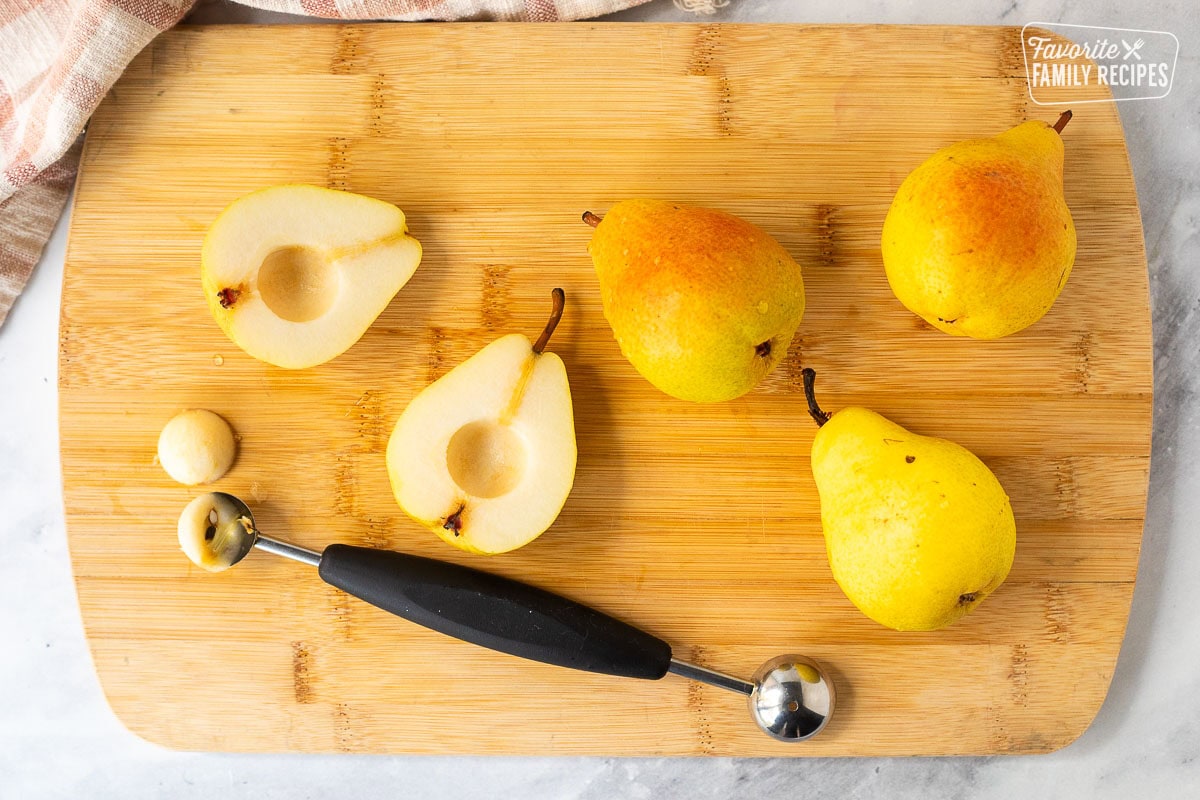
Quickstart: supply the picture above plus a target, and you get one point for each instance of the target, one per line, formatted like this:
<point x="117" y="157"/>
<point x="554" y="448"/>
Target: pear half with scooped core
<point x="296" y="274"/>
<point x="485" y="456"/>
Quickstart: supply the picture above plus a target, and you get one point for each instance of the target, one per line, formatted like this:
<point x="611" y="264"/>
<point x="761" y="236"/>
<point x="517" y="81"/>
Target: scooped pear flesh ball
<point x="213" y="534"/>
<point x="296" y="274"/>
<point x="485" y="456"/>
<point x="196" y="446"/>
<point x="703" y="304"/>
<point x="917" y="529"/>
<point x="979" y="241"/>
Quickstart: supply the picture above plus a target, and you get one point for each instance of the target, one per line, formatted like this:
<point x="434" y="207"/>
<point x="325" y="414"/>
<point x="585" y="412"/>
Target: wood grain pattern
<point x="699" y="523"/>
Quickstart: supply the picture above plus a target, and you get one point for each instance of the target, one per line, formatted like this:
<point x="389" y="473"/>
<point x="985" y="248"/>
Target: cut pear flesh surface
<point x="299" y="284"/>
<point x="296" y="274"/>
<point x="486" y="459"/>
<point x="485" y="456"/>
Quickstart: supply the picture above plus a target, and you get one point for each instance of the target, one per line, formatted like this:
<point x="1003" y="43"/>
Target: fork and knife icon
<point x="1132" y="50"/>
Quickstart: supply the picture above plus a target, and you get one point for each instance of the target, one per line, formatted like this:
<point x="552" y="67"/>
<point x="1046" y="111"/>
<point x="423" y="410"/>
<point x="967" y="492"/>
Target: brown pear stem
<point x="1063" y="119"/>
<point x="559" y="298"/>
<point x="591" y="219"/>
<point x="810" y="384"/>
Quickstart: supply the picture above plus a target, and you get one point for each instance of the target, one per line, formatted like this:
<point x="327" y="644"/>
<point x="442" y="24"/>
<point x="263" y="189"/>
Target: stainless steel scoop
<point x="791" y="697"/>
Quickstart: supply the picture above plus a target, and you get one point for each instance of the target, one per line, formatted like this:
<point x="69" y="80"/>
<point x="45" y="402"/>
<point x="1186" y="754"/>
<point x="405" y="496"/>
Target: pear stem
<point x="559" y="297"/>
<point x="591" y="219"/>
<point x="810" y="384"/>
<point x="1063" y="119"/>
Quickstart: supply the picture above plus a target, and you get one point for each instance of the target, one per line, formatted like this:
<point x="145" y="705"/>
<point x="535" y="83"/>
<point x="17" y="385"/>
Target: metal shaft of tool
<point x="304" y="556"/>
<point x="710" y="676"/>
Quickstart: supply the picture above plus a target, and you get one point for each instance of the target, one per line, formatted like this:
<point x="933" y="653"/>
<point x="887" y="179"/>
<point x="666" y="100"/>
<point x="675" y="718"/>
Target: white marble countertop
<point x="59" y="739"/>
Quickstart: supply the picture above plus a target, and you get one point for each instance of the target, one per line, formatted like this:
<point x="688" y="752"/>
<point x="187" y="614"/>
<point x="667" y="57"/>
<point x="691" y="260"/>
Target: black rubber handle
<point x="495" y="612"/>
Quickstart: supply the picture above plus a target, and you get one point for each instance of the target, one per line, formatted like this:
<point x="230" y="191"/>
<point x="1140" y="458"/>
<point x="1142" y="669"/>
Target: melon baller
<point x="791" y="697"/>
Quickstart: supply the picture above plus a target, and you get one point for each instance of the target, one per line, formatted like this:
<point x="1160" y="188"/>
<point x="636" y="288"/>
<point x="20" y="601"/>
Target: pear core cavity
<point x="298" y="283"/>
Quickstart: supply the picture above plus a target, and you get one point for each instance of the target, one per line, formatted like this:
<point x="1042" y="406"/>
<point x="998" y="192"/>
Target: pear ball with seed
<point x="213" y="532"/>
<point x="196" y="447"/>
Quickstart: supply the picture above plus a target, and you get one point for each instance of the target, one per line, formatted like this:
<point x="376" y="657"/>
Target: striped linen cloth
<point x="59" y="57"/>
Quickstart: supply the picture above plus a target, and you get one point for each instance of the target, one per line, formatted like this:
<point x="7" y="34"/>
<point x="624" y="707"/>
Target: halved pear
<point x="485" y="455"/>
<point x="296" y="274"/>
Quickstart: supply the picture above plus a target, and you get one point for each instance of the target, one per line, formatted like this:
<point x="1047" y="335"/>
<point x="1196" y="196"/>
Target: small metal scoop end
<point x="793" y="698"/>
<point x="216" y="531"/>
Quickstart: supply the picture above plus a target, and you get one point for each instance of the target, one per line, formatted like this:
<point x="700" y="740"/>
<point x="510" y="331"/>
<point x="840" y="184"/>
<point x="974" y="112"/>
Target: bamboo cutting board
<point x="699" y="523"/>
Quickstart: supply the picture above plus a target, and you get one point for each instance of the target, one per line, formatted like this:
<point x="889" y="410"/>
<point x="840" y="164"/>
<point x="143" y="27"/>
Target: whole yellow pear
<point x="918" y="530"/>
<point x="702" y="303"/>
<point x="979" y="241"/>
